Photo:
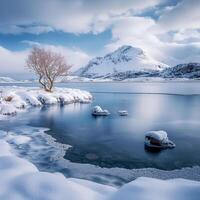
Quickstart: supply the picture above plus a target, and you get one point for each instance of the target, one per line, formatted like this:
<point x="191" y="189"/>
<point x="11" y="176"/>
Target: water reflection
<point x="116" y="141"/>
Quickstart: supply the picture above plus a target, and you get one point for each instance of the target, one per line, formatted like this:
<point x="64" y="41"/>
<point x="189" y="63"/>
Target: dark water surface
<point x="115" y="141"/>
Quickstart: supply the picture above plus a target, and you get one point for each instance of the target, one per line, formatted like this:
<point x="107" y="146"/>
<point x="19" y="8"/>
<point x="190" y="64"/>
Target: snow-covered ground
<point x="21" y="180"/>
<point x="16" y="99"/>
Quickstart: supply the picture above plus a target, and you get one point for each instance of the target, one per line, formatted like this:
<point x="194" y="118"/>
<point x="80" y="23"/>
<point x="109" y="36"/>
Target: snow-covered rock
<point x="98" y="111"/>
<point x="15" y="99"/>
<point x="123" y="60"/>
<point x="30" y="99"/>
<point x="158" y="135"/>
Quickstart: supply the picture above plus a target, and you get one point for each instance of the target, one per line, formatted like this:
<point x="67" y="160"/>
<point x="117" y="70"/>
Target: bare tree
<point x="47" y="65"/>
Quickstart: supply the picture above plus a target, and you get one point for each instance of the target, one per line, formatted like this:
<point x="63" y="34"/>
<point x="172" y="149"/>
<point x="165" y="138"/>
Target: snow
<point x="158" y="135"/>
<point x="147" y="188"/>
<point x="17" y="139"/>
<point x="7" y="108"/>
<point x="184" y="71"/>
<point x="15" y="99"/>
<point x="124" y="59"/>
<point x="43" y="148"/>
<point x="21" y="180"/>
<point x="30" y="99"/>
<point x="97" y="109"/>
<point x="47" y="99"/>
<point x="5" y="149"/>
<point x="6" y="80"/>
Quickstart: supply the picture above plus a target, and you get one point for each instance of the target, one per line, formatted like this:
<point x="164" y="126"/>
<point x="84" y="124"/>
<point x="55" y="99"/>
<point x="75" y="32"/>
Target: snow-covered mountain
<point x="6" y="80"/>
<point x="188" y="70"/>
<point x="125" y="60"/>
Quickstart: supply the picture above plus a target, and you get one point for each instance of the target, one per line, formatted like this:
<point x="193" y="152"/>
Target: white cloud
<point x="129" y="26"/>
<point x="185" y="15"/>
<point x="172" y="38"/>
<point x="140" y="32"/>
<point x="14" y="62"/>
<point x="11" y="61"/>
<point x="187" y="36"/>
<point x="74" y="56"/>
<point x="78" y="16"/>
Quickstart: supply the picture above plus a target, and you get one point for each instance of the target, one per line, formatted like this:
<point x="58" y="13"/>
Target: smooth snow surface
<point x="21" y="180"/>
<point x="154" y="189"/>
<point x="15" y="99"/>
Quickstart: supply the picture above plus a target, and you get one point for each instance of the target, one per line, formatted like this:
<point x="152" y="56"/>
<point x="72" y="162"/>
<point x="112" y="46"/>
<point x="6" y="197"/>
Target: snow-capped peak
<point x="124" y="59"/>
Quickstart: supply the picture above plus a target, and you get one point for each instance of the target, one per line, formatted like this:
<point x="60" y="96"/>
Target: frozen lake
<point x="116" y="141"/>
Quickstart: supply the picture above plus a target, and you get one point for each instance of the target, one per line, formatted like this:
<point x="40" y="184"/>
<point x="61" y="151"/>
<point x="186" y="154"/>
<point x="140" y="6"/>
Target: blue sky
<point x="166" y="30"/>
<point x="90" y="43"/>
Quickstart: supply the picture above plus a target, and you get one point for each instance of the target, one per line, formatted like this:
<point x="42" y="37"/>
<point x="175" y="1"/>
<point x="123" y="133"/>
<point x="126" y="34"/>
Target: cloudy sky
<point x="168" y="30"/>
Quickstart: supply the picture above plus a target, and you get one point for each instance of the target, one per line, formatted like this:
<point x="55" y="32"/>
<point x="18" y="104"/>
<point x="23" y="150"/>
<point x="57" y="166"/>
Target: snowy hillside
<point x="6" y="80"/>
<point x="126" y="59"/>
<point x="189" y="70"/>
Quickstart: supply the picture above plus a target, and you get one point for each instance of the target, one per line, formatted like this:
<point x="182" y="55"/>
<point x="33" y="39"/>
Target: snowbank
<point x="21" y="180"/>
<point x="15" y="99"/>
<point x="148" y="188"/>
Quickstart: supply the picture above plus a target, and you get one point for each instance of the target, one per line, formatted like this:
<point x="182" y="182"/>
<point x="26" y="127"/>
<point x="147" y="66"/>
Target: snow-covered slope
<point x="125" y="59"/>
<point x="188" y="70"/>
<point x="6" y="80"/>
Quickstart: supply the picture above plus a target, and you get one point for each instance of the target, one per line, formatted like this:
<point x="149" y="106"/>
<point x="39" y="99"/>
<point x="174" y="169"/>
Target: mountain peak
<point x="125" y="59"/>
<point x="127" y="48"/>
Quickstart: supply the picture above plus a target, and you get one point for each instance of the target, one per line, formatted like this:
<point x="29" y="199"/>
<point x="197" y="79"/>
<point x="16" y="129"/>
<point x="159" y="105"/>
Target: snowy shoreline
<point x="21" y="179"/>
<point x="76" y="79"/>
<point x="16" y="99"/>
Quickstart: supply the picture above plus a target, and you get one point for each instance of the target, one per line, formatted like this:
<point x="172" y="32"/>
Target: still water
<point x="116" y="141"/>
